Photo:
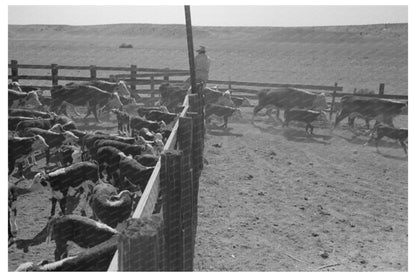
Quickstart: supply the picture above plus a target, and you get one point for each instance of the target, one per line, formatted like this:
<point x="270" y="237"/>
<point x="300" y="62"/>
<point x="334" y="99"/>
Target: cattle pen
<point x="144" y="77"/>
<point x="168" y="244"/>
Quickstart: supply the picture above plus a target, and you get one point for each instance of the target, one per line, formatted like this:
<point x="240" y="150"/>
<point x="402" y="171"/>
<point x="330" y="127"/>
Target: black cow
<point x="108" y="206"/>
<point x="126" y="148"/>
<point x="14" y="120"/>
<point x="383" y="110"/>
<point x="161" y="116"/>
<point x="288" y="98"/>
<point x="78" y="95"/>
<point x="123" y="120"/>
<point x="18" y="98"/>
<point x="30" y="113"/>
<point x="134" y="172"/>
<point x="42" y="123"/>
<point x="21" y="148"/>
<point x="119" y="86"/>
<point x="381" y="130"/>
<point x="137" y="122"/>
<point x="144" y="111"/>
<point x="97" y="258"/>
<point x="220" y="110"/>
<point x="171" y="96"/>
<point x="81" y="230"/>
<point x="54" y="140"/>
<point x="302" y="115"/>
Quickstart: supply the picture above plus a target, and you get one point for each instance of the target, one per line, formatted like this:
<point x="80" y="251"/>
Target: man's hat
<point x="201" y="49"/>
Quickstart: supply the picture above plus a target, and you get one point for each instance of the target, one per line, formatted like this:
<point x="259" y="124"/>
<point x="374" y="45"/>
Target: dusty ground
<point x="270" y="198"/>
<point x="273" y="199"/>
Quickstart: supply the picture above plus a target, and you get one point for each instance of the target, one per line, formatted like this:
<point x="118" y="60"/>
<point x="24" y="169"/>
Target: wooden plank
<point x="254" y="84"/>
<point x="386" y="96"/>
<point x="156" y="74"/>
<point x="33" y="66"/>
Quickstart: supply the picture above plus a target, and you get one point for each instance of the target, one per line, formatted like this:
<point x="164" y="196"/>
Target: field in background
<point x="270" y="198"/>
<point x="352" y="56"/>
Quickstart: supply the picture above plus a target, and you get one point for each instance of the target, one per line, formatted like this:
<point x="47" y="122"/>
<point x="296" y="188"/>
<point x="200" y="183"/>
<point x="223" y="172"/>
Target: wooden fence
<point x="153" y="76"/>
<point x="168" y="244"/>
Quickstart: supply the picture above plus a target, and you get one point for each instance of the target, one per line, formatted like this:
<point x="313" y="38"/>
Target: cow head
<point x="115" y="101"/>
<point x="122" y="89"/>
<point x="15" y="86"/>
<point x="323" y="116"/>
<point x="39" y="143"/>
<point x="40" y="180"/>
<point x="162" y="125"/>
<point x="57" y="128"/>
<point x="70" y="138"/>
<point x="159" y="145"/>
<point x="238" y="113"/>
<point x="32" y="98"/>
<point x="320" y="102"/>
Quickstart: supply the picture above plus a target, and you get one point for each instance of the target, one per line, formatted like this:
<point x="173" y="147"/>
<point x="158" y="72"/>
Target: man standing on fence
<point x="202" y="63"/>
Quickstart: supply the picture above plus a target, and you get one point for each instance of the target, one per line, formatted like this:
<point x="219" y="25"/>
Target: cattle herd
<point x="109" y="172"/>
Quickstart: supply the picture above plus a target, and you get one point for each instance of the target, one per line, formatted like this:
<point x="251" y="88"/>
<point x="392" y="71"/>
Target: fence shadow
<point x="400" y="158"/>
<point x="359" y="140"/>
<point x="269" y="129"/>
<point x="216" y="131"/>
<point x="298" y="135"/>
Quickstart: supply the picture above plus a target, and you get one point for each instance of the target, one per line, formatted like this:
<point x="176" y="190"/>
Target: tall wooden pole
<point x="190" y="47"/>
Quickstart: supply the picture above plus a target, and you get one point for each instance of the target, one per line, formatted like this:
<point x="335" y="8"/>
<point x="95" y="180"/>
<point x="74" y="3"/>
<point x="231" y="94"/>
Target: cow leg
<point x="61" y="250"/>
<point x="11" y="165"/>
<point x="53" y="200"/>
<point x="225" y="122"/>
<point x="403" y="144"/>
<point x="311" y="128"/>
<point x="256" y="110"/>
<point x="340" y="116"/>
<point x="48" y="156"/>
<point x="94" y="111"/>
<point x="62" y="204"/>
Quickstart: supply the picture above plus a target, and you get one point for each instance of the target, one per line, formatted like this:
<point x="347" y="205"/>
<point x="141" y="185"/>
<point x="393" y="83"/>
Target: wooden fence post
<point x="170" y="186"/>
<point x="14" y="71"/>
<point x="133" y="73"/>
<point x="185" y="135"/>
<point x="381" y="89"/>
<point x="140" y="245"/>
<point x="333" y="101"/>
<point x="152" y="86"/>
<point x="93" y="72"/>
<point x="166" y="77"/>
<point x="54" y="73"/>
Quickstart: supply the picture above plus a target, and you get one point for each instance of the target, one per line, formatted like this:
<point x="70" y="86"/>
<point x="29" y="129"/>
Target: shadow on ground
<point x="299" y="135"/>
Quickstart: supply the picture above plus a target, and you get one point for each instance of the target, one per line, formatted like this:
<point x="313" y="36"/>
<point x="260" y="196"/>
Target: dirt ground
<point x="274" y="199"/>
